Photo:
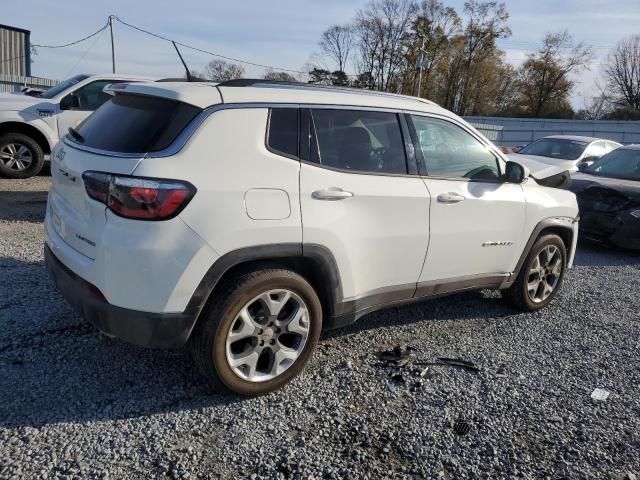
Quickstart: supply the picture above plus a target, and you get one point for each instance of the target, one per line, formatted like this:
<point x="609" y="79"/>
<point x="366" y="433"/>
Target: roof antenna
<point x="182" y="60"/>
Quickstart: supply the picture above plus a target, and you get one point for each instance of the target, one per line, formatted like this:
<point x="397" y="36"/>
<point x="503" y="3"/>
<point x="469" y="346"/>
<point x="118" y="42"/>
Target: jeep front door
<point x="477" y="219"/>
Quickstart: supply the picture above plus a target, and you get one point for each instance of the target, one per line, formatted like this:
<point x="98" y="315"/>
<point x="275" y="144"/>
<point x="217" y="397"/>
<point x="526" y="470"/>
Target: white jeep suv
<point x="30" y="126"/>
<point x="244" y="217"/>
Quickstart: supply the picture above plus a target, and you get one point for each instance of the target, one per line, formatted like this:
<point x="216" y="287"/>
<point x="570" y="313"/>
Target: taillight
<point x="138" y="198"/>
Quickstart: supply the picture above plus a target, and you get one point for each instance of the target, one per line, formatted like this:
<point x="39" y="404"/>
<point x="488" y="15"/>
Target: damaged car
<point x="608" y="193"/>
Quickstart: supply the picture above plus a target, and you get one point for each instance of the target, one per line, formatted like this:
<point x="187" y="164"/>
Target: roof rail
<point x="257" y="82"/>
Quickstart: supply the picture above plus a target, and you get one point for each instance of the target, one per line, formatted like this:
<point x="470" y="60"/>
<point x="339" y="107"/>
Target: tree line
<point x="431" y="50"/>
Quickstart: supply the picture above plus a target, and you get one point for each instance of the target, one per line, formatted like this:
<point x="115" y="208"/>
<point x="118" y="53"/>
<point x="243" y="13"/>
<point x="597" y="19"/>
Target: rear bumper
<point x="159" y="330"/>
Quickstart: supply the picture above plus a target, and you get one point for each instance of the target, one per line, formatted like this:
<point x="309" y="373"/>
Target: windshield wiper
<point x="75" y="134"/>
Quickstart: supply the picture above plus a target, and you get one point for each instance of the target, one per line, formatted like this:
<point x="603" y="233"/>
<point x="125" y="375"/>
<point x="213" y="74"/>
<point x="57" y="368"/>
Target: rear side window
<point x="283" y="131"/>
<point x="358" y="140"/>
<point x="135" y="124"/>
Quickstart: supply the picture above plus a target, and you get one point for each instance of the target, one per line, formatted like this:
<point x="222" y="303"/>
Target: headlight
<point x="635" y="213"/>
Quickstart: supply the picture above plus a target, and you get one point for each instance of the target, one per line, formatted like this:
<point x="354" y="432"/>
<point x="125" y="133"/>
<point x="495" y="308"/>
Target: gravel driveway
<point x="74" y="403"/>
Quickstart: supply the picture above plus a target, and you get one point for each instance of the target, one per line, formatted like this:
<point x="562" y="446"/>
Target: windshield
<point x="560" y="148"/>
<point x="621" y="163"/>
<point x="62" y="86"/>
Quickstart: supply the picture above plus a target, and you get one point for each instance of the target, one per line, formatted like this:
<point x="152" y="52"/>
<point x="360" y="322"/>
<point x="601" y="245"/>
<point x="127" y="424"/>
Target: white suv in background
<point x="245" y="217"/>
<point x="30" y="126"/>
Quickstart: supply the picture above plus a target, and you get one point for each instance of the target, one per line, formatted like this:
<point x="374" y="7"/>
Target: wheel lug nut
<point x="272" y="342"/>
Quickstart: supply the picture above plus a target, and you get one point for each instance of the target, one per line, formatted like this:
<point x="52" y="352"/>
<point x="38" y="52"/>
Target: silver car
<point x="564" y="151"/>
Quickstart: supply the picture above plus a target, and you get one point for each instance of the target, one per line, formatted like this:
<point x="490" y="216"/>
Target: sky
<point x="281" y="33"/>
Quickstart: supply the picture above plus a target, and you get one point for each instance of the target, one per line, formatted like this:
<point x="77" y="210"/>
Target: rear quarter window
<point x="282" y="135"/>
<point x="135" y="124"/>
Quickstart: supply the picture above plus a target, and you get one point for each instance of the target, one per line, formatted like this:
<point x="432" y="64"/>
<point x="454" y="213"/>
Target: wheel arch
<point x="561" y="226"/>
<point x="315" y="263"/>
<point x="27" y="129"/>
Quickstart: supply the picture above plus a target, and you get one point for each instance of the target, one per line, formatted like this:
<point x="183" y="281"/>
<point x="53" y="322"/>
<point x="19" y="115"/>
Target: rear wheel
<point x="540" y="276"/>
<point x="20" y="156"/>
<point x="258" y="332"/>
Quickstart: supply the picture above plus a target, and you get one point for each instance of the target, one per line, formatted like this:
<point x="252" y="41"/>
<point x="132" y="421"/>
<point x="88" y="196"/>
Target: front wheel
<point x="259" y="332"/>
<point x="540" y="276"/>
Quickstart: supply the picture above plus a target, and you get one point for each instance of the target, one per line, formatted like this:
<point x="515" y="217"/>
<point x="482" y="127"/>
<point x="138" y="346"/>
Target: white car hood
<point x="539" y="167"/>
<point x="13" y="101"/>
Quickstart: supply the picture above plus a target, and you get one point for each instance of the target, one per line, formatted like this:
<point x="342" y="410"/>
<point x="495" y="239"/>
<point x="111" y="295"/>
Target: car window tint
<point x="283" y="131"/>
<point x="450" y="151"/>
<point x="136" y="124"/>
<point x="91" y="95"/>
<point x="358" y="140"/>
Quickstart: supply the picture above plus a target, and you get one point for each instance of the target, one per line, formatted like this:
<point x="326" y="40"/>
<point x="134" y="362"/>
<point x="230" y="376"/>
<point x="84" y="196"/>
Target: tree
<point x="430" y="39"/>
<point x="221" y="71"/>
<point x="279" y="76"/>
<point x="339" y="78"/>
<point x="622" y="73"/>
<point x="544" y="78"/>
<point x="381" y="30"/>
<point x="320" y="76"/>
<point x="486" y="23"/>
<point x="336" y="43"/>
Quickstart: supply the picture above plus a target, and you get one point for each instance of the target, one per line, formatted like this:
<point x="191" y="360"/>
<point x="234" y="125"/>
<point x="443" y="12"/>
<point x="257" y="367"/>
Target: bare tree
<point x="544" y="78"/>
<point x="595" y="108"/>
<point x="337" y="43"/>
<point x="622" y="73"/>
<point x="221" y="71"/>
<point x="381" y="30"/>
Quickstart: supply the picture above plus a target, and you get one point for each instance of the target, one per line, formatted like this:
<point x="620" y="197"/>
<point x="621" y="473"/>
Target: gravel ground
<point x="74" y="403"/>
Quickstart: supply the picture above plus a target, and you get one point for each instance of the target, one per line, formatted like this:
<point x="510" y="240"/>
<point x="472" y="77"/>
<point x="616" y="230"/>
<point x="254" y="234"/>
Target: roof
<point x="15" y="29"/>
<point x="119" y="76"/>
<point x="203" y="94"/>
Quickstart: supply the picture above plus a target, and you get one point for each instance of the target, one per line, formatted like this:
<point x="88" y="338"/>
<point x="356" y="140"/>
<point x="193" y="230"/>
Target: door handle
<point x="450" y="198"/>
<point x="332" y="193"/>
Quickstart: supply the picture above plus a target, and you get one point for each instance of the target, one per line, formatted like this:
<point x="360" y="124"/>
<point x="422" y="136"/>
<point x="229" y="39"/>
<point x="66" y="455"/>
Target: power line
<point x="246" y="62"/>
<point x="72" y="43"/>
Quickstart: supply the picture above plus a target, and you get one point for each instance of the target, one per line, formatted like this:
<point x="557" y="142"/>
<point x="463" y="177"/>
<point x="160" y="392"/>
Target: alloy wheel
<point x="544" y="274"/>
<point x="16" y="156"/>
<point x="268" y="335"/>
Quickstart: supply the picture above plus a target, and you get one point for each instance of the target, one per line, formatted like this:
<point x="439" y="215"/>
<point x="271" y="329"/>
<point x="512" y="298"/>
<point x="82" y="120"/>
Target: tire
<point x="213" y="348"/>
<point x="13" y="143"/>
<point x="520" y="293"/>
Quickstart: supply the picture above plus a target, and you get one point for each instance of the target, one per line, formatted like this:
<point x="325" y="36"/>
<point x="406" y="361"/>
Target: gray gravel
<point x="74" y="403"/>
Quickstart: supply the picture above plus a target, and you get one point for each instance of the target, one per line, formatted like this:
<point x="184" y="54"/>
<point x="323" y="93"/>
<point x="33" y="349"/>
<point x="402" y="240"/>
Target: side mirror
<point x="70" y="102"/>
<point x="515" y="173"/>
<point x="587" y="162"/>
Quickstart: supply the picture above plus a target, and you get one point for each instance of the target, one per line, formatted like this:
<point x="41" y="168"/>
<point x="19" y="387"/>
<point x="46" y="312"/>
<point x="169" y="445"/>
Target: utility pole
<point x="420" y="65"/>
<point x="113" y="51"/>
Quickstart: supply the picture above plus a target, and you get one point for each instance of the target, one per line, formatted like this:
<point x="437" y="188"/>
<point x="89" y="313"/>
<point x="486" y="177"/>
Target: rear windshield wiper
<point x="75" y="134"/>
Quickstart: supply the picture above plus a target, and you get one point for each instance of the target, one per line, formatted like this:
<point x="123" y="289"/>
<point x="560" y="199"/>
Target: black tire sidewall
<point x="36" y="153"/>
<point x="540" y="244"/>
<point x="226" y="314"/>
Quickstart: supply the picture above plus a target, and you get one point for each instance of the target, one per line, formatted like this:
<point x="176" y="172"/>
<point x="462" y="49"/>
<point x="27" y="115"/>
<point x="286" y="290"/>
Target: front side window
<point x="91" y="95"/>
<point x="596" y="149"/>
<point x="450" y="151"/>
<point x="622" y="163"/>
<point x="358" y="140"/>
<point x="282" y="137"/>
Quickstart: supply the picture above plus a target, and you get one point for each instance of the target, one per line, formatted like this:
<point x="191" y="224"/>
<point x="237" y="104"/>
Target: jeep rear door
<point x="477" y="219"/>
<point x="359" y="201"/>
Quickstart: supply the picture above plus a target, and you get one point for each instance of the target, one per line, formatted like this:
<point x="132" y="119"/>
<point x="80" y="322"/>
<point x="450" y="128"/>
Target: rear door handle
<point x="332" y="193"/>
<point x="450" y="198"/>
